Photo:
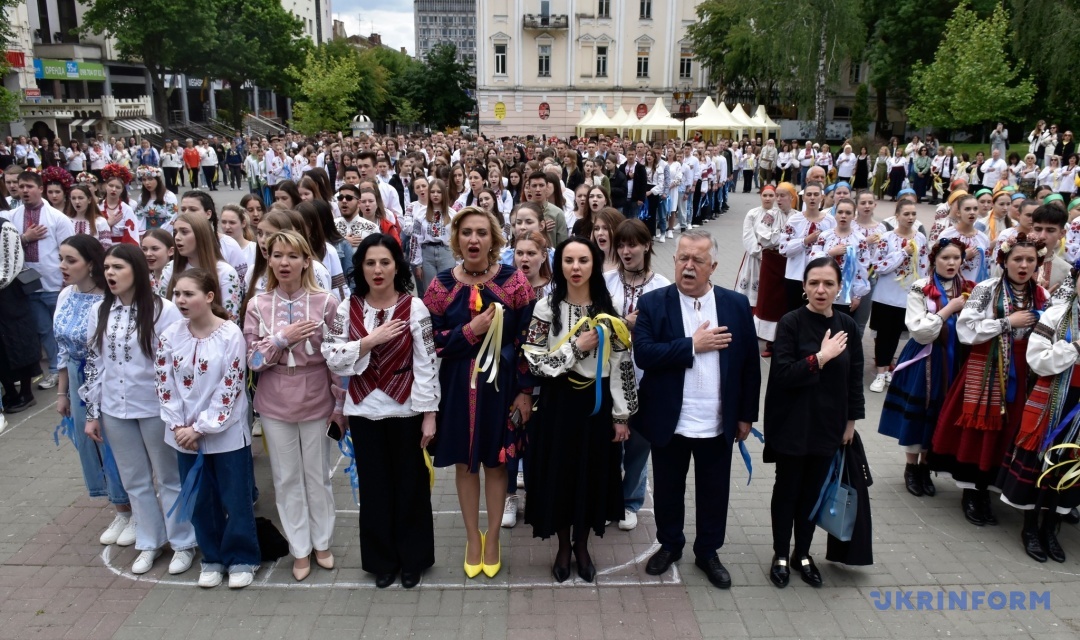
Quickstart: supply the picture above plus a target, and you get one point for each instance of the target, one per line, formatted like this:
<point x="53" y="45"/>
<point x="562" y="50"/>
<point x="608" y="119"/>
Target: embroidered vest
<point x="390" y="365"/>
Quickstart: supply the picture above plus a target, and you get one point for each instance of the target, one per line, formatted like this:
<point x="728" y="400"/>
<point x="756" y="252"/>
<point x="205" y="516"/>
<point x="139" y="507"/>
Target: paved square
<point x="56" y="581"/>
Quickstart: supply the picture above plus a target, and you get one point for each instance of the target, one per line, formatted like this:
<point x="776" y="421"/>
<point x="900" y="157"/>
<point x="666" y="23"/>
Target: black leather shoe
<point x="809" y="571"/>
<point x="560" y="572"/>
<point x="1032" y="545"/>
<point x="585" y="570"/>
<point x="661" y="561"/>
<point x="21" y="404"/>
<point x="1072" y="517"/>
<point x="913" y="480"/>
<point x="928" y="487"/>
<point x="987" y="511"/>
<point x="714" y="571"/>
<point x="410" y="579"/>
<point x="780" y="573"/>
<point x="1048" y="537"/>
<point x="972" y="508"/>
<point x="384" y="580"/>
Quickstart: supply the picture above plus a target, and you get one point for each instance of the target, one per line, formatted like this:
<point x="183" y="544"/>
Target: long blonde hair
<point x="294" y="241"/>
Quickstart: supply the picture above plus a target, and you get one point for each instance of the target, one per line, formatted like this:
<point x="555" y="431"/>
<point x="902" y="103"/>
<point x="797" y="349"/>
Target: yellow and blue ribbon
<point x="345" y="445"/>
<point x="746" y="454"/>
<point x="847" y="279"/>
<point x="65" y="428"/>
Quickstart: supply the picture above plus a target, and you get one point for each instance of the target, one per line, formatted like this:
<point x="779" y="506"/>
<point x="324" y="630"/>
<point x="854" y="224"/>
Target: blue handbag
<point x="837" y="503"/>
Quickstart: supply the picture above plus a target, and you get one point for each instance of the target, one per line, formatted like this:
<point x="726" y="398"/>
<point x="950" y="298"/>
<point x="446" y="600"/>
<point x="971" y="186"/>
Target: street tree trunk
<point x="819" y="93"/>
<point x="161" y="103"/>
<point x="884" y="127"/>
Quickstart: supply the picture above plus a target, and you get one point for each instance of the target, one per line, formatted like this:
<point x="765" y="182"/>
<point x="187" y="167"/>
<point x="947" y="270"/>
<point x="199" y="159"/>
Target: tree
<point x="9" y="100"/>
<point x="261" y="39"/>
<point x="860" y="113"/>
<point x="444" y="87"/>
<point x="405" y="113"/>
<point x="167" y="36"/>
<point x="324" y="86"/>
<point x="971" y="80"/>
<point x="1040" y="32"/>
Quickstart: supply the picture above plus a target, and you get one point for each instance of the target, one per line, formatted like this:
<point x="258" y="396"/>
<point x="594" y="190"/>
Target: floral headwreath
<point x="58" y="175"/>
<point x="148" y="171"/>
<point x="1005" y="247"/>
<point x="85" y="177"/>
<point x="113" y="170"/>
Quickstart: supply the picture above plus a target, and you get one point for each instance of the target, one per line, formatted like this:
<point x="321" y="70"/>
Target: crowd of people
<point x="493" y="306"/>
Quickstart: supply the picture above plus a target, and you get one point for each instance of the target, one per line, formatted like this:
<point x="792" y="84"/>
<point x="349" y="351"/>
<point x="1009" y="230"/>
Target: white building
<point x="315" y="14"/>
<point x="546" y="62"/>
<point x="446" y="21"/>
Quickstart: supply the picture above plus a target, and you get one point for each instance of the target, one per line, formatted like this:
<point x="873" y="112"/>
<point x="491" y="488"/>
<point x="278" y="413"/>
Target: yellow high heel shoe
<point x="491" y="570"/>
<point x="473" y="570"/>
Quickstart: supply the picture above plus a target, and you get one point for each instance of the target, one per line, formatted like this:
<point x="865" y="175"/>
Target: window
<point x="500" y="59"/>
<point x="544" y="69"/>
<point x="646" y="9"/>
<point x="855" y="74"/>
<point x="643" y="62"/>
<point x="601" y="62"/>
<point x="603" y="9"/>
<point x="686" y="64"/>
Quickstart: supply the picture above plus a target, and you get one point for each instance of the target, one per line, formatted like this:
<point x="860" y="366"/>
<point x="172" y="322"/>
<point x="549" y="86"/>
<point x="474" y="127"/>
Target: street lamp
<point x="682" y="99"/>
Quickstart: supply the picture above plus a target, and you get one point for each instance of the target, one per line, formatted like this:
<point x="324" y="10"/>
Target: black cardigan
<point x="807" y="407"/>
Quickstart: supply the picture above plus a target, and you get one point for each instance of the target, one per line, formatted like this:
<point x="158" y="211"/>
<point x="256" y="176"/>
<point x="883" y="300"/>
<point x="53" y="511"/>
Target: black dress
<point x="862" y="173"/>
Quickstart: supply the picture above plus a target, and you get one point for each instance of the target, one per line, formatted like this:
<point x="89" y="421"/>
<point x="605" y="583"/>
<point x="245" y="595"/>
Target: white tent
<point x="710" y="118"/>
<point x="763" y="115"/>
<point x="658" y="119"/>
<point x="628" y="120"/>
<point x="727" y="117"/>
<point x="740" y="116"/>
<point x="600" y="120"/>
<point x="584" y="122"/>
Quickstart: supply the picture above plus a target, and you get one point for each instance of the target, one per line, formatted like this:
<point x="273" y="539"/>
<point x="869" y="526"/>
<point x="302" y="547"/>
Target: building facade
<point x="447" y="21"/>
<point x="543" y="63"/>
<point x="315" y="14"/>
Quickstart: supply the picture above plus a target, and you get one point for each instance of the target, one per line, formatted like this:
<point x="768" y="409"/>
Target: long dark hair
<point x="207" y="203"/>
<point x="93" y="253"/>
<point x="309" y="211"/>
<point x="158" y="193"/>
<point x="145" y="303"/>
<point x="402" y="279"/>
<point x="598" y="292"/>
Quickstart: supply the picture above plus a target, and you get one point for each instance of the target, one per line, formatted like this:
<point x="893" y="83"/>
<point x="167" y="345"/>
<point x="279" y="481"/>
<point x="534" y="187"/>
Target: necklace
<point x="475" y="274"/>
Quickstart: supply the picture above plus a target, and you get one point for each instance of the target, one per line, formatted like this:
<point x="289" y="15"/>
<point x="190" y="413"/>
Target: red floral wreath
<point x="114" y="170"/>
<point x="58" y="175"/>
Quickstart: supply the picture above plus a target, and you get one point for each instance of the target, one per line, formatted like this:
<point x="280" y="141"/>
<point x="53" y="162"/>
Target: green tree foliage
<point x="797" y="48"/>
<point x="442" y="89"/>
<point x="1044" y="35"/>
<point x="971" y="80"/>
<point x="9" y="100"/>
<point x="166" y="36"/>
<point x="256" y="40"/>
<point x="860" y="112"/>
<point x="405" y="113"/>
<point x="324" y="85"/>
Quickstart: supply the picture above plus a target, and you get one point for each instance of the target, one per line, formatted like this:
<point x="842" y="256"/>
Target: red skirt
<point x="772" y="296"/>
<point x="982" y="451"/>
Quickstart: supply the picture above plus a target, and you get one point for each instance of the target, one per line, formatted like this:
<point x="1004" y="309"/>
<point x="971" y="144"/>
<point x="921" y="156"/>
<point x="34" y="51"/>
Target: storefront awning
<point x="83" y="124"/>
<point x="138" y="126"/>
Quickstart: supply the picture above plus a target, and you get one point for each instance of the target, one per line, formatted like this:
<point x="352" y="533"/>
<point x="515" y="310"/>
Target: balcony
<point x="545" y="22"/>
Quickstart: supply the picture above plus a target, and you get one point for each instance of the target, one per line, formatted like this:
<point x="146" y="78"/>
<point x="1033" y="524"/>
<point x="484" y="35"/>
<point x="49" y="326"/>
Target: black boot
<point x="1029" y="536"/>
<point x="1048" y="536"/>
<point x="927" y="484"/>
<point x="987" y="511"/>
<point x="913" y="480"/>
<point x="971" y="507"/>
<point x="1072" y="517"/>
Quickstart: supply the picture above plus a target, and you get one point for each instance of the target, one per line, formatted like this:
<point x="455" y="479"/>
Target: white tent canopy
<point x="600" y="120"/>
<point x="628" y="119"/>
<point x="658" y="119"/>
<point x="584" y="121"/>
<point x="763" y="115"/>
<point x="710" y="118"/>
<point x="740" y="116"/>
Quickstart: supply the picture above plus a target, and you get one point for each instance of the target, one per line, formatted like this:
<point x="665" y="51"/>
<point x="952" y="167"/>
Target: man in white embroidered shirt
<point x="698" y="349"/>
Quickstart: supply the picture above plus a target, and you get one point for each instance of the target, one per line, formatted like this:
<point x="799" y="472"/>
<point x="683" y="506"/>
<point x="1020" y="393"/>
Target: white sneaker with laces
<point x="510" y="512"/>
<point x="629" y="521"/>
<point x="689" y="226"/>
<point x="127" y="536"/>
<point x="181" y="561"/>
<point x="878" y="385"/>
<point x="670" y="233"/>
<point x="241" y="579"/>
<point x="209" y="579"/>
<point x="112" y="533"/>
<point x="145" y="561"/>
<point x="660" y="239"/>
<point x="888" y="377"/>
<point x="48" y="381"/>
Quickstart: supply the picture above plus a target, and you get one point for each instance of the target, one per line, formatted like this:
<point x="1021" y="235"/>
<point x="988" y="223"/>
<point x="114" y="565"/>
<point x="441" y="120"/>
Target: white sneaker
<point x="629" y="521"/>
<point x="256" y="427"/>
<point x="520" y="480"/>
<point x="689" y="226"/>
<point x="181" y="561"/>
<point x="3" y="423"/>
<point x="510" y="512"/>
<point x="878" y="385"/>
<point x="660" y="239"/>
<point x="209" y="579"/>
<point x="888" y="377"/>
<point x="127" y="536"/>
<point x="145" y="561"/>
<point x="241" y="579"/>
<point x="670" y="233"/>
<point x="48" y="381"/>
<point x="112" y="533"/>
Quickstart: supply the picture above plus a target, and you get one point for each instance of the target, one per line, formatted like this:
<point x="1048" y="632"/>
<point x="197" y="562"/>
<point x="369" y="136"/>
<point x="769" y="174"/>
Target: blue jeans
<point x="802" y="176"/>
<point x="43" y="308"/>
<point x="662" y="212"/>
<point x="224" y="518"/>
<point x="100" y="474"/>
<point x="635" y="474"/>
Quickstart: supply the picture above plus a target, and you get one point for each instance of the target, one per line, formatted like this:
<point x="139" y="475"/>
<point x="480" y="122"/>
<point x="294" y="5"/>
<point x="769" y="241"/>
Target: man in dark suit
<point x="637" y="179"/>
<point x="698" y="349"/>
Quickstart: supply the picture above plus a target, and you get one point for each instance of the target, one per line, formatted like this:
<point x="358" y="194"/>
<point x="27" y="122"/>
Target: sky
<point x="391" y="19"/>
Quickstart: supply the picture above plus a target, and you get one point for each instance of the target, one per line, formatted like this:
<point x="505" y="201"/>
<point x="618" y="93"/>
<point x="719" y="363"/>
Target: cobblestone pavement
<point x="56" y="581"/>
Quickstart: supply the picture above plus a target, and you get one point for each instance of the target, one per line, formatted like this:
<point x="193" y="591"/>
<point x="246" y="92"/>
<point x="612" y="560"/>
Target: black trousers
<point x="193" y="177"/>
<point x="397" y="530"/>
<point x="171" y="174"/>
<point x="712" y="482"/>
<point x="793" y="291"/>
<point x="235" y="175"/>
<point x="798" y="484"/>
<point x="210" y="174"/>
<point x="654" y="213"/>
<point x="888" y="322"/>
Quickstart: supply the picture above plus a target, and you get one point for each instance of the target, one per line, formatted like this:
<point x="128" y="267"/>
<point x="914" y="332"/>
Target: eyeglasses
<point x="344" y="197"/>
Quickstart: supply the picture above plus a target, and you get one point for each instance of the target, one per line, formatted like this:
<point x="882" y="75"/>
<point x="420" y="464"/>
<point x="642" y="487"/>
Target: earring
<point x="805" y="297"/>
